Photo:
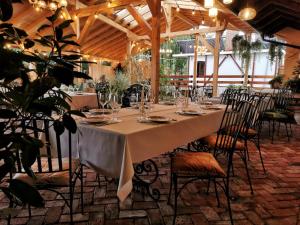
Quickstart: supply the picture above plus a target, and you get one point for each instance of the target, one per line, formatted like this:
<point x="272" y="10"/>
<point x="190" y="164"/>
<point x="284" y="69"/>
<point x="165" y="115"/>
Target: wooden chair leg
<point x="175" y="197"/>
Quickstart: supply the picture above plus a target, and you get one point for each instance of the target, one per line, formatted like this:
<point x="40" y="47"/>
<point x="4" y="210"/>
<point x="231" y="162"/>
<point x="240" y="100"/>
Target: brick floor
<point x="275" y="201"/>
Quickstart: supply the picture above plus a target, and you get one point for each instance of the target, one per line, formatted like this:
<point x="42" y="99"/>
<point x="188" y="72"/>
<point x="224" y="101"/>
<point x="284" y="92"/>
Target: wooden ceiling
<point x="107" y="34"/>
<point x="272" y="15"/>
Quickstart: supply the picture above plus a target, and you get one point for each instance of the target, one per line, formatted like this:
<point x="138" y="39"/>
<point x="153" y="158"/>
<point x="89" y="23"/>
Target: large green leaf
<point x="58" y="127"/>
<point x="62" y="74"/>
<point x="65" y="24"/>
<point x="26" y="193"/>
<point x="6" y="10"/>
<point x="69" y="123"/>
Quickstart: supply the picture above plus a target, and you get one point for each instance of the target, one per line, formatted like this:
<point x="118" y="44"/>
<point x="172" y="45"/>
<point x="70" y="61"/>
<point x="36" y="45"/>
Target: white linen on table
<point x="79" y="101"/>
<point x="112" y="149"/>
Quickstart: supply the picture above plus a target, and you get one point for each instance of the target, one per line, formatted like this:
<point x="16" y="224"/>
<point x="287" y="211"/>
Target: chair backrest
<point x="235" y="119"/>
<point x="282" y="99"/>
<point x="135" y="90"/>
<point x="50" y="156"/>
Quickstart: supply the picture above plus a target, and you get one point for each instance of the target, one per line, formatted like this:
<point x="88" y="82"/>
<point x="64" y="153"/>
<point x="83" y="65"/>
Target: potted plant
<point x="276" y="82"/>
<point x="29" y="86"/>
<point x="244" y="49"/>
<point x="294" y="82"/>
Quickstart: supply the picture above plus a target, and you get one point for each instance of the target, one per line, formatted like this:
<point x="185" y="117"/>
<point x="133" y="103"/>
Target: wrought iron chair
<point x="52" y="170"/>
<point x="280" y="113"/>
<point x="203" y="165"/>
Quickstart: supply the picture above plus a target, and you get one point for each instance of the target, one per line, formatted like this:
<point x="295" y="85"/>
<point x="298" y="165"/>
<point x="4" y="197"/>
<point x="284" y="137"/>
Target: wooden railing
<point x="223" y="80"/>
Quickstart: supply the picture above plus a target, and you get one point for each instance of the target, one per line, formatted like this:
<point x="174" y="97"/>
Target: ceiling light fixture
<point x="213" y="12"/>
<point x="227" y="2"/>
<point x="209" y="4"/>
<point x="248" y="12"/>
<point x="48" y="4"/>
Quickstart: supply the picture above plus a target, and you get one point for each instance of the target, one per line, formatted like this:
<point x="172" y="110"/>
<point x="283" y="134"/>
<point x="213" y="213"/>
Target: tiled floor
<point x="276" y="196"/>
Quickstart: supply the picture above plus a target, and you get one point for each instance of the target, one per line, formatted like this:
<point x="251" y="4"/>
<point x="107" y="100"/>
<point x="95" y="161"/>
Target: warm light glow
<point x="209" y="4"/>
<point x="213" y="12"/>
<point x="53" y="6"/>
<point x="247" y="13"/>
<point x="227" y="1"/>
<point x="42" y="4"/>
<point x="202" y="22"/>
<point x="193" y="12"/>
<point x="75" y="17"/>
<point x="109" y="3"/>
<point x="32" y="1"/>
<point x="8" y="46"/>
<point x="177" y="9"/>
<point x="96" y="16"/>
<point x="63" y="3"/>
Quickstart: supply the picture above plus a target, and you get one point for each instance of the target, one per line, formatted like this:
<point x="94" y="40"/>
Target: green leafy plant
<point x="275" y="51"/>
<point x="276" y="82"/>
<point x="294" y="82"/>
<point x="29" y="87"/>
<point x="244" y="48"/>
<point x="119" y="84"/>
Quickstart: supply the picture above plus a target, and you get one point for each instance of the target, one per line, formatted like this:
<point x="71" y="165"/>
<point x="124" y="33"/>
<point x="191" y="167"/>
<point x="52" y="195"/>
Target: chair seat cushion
<point x="251" y="132"/>
<point x="55" y="178"/>
<point x="212" y="139"/>
<point x="196" y="163"/>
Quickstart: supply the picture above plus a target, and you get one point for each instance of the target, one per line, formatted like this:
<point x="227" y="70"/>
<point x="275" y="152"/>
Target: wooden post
<point x="216" y="63"/>
<point x="247" y="64"/>
<point x="155" y="6"/>
<point x="195" y="59"/>
<point x="205" y="66"/>
<point x="253" y="69"/>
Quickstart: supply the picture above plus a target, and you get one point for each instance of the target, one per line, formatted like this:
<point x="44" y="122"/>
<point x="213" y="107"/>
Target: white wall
<point x="263" y="66"/>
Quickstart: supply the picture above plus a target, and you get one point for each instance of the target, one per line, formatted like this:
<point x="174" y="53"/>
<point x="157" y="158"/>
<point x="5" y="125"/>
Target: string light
<point x="193" y="12"/>
<point x="96" y="16"/>
<point x="202" y="22"/>
<point x="109" y="3"/>
<point x="177" y="8"/>
<point x="227" y="1"/>
<point x="48" y="4"/>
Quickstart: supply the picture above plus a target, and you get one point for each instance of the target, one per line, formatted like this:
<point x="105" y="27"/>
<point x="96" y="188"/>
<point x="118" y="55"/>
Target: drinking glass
<point x="103" y="100"/>
<point x="115" y="104"/>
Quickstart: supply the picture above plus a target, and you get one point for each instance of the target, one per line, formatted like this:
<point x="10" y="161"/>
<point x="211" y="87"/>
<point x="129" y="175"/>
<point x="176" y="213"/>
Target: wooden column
<point x="253" y="69"/>
<point x="195" y="59"/>
<point x="216" y="63"/>
<point x="155" y="6"/>
<point x="247" y="64"/>
<point x="128" y="58"/>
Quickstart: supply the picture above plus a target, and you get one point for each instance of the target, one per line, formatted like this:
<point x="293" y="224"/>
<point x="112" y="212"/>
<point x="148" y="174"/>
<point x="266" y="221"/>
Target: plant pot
<point x="275" y="85"/>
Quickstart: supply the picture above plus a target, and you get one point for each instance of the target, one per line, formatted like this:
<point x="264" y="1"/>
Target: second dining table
<point x="114" y="148"/>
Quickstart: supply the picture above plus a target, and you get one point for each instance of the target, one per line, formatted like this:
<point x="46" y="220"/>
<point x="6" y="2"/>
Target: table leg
<point x="146" y="174"/>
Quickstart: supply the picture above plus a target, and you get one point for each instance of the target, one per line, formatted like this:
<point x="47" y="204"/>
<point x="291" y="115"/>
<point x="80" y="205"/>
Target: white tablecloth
<point x="112" y="149"/>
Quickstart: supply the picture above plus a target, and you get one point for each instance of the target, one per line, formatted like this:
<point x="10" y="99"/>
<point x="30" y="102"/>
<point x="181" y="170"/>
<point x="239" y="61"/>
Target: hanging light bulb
<point x="247" y="13"/>
<point x="177" y="8"/>
<point x="33" y="1"/>
<point x="63" y="3"/>
<point x="213" y="12"/>
<point x="42" y="4"/>
<point x="227" y="1"/>
<point x="53" y="6"/>
<point x="109" y="3"/>
<point x="193" y="12"/>
<point x="209" y="4"/>
<point x="202" y="22"/>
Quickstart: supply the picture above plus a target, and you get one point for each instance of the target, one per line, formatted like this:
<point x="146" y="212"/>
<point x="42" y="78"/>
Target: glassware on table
<point x="103" y="100"/>
<point x="115" y="104"/>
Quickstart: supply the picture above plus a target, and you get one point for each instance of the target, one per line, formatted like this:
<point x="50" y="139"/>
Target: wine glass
<point x="103" y="100"/>
<point x="115" y="104"/>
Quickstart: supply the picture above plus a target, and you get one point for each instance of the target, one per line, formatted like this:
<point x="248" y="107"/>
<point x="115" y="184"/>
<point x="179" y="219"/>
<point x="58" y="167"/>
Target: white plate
<point x="95" y="120"/>
<point x="155" y="119"/>
<point x="100" y="111"/>
<point x="212" y="107"/>
<point x="189" y="112"/>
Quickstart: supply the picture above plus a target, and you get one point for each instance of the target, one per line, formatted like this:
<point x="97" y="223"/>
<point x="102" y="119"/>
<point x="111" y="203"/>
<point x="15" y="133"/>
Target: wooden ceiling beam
<point x="206" y="44"/>
<point x="97" y="36"/>
<point x="139" y="19"/>
<point x="104" y="41"/>
<point x="112" y="23"/>
<point x="151" y="7"/>
<point x="103" y="7"/>
<point x="110" y="48"/>
<point x="184" y="18"/>
<point x="86" y="29"/>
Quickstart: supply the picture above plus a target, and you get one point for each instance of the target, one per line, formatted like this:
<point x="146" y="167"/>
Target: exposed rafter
<point x="103" y="7"/>
<point x="184" y="18"/>
<point x="86" y="29"/>
<point x="139" y="18"/>
<point x="112" y="23"/>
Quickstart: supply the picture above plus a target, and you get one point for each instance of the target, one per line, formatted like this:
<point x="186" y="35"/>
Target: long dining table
<point x="113" y="149"/>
